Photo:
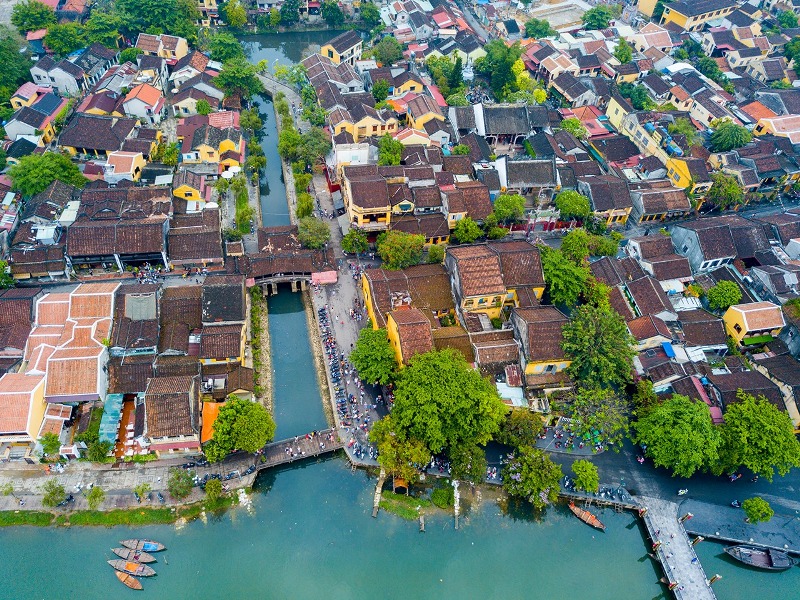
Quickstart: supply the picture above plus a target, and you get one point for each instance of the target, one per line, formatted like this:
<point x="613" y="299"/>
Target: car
<point x="188" y="465"/>
<point x="66" y="500"/>
<point x="160" y="497"/>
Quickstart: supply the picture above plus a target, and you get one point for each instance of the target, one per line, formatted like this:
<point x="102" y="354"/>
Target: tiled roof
<point x="495" y="347"/>
<point x="129" y="374"/>
<point x="649" y="297"/>
<point x="87" y="237"/>
<point x="670" y="266"/>
<point x="344" y="41"/>
<point x="653" y="245"/>
<point x="223" y="298"/>
<point x="15" y="400"/>
<point x="647" y="326"/>
<point x="760" y="316"/>
<point x="414" y="331"/>
<point x="479" y="270"/>
<point x="428" y="287"/>
<point x="520" y="263"/>
<point x="94" y="132"/>
<point x="545" y="336"/>
<point x="168" y="407"/>
<point x="751" y="382"/>
<point x="221" y="341"/>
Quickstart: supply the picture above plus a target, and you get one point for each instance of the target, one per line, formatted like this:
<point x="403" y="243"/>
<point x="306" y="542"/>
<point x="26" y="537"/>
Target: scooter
<point x="683" y="492"/>
<point x="736" y="504"/>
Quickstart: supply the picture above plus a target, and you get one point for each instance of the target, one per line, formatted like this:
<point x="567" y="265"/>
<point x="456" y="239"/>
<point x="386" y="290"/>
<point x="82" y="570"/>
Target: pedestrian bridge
<point x="303" y="446"/>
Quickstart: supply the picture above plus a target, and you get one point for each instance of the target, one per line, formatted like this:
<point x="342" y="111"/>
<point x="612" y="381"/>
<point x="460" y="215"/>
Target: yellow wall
<point x="670" y="16"/>
<point x="733" y="318"/>
<point x="17" y="102"/>
<point x="492" y="306"/>
<point x="368" y="302"/>
<point x="37" y="410"/>
<point x="615" y="113"/>
<point x="408" y="86"/>
<point x="646" y="7"/>
<point x="394" y="339"/>
<point x="614" y="217"/>
<point x="328" y="51"/>
<point x="539" y="367"/>
<point x="419" y="122"/>
<point x="187" y="192"/>
<point x="627" y="78"/>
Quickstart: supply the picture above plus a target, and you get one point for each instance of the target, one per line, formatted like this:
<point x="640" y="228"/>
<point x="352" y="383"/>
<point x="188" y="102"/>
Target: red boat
<point x="586" y="517"/>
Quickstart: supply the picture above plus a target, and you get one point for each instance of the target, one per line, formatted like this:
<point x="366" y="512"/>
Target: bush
<point x="179" y="483"/>
<point x="435" y="254"/>
<point x="443" y="497"/>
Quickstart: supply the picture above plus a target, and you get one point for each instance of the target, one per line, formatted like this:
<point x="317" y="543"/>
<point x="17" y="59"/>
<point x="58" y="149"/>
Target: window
<point x="330" y="53"/>
<point x="737" y="328"/>
<point x="685" y="248"/>
<point x="550" y="369"/>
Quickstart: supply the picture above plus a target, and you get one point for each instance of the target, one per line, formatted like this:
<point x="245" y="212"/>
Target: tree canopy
<point x="623" y="51"/>
<point x="373" y="356"/>
<point x="787" y="19"/>
<point x="52" y="493"/>
<point x="539" y="28"/>
<point x="331" y="13"/>
<point x="50" y="444"/>
<point x="756" y="508"/>
<point x="574" y="126"/>
<point x="729" y="136"/>
<point x="509" y="207"/>
<point x="96" y="495"/>
<point x="520" y="427"/>
<point x="400" y="455"/>
<point x="598" y="17"/>
<point x="684" y="126"/>
<point x="440" y="400"/>
<point x="313" y="233"/>
<point x="35" y="172"/>
<point x="30" y="15"/>
<point x="380" y="90"/>
<point x="566" y="280"/>
<point x="355" y="242"/>
<point x="586" y="476"/>
<point x="290" y="12"/>
<point x="390" y="150"/>
<point x="533" y="476"/>
<point x="724" y="295"/>
<point x="240" y="425"/>
<point x="467" y="231"/>
<point x="235" y="14"/>
<point x="388" y="51"/>
<point x="175" y="17"/>
<point x="16" y="64"/>
<point x="399" y="250"/>
<point x="757" y="436"/>
<point x="239" y="76"/>
<point x="598" y="411"/>
<point x="679" y="435"/>
<point x="213" y="489"/>
<point x="224" y="46"/>
<point x="573" y="205"/>
<point x="179" y="483"/>
<point x="599" y="345"/>
<point x="369" y="14"/>
<point x="65" y="38"/>
<point x="725" y="191"/>
<point x="498" y="66"/>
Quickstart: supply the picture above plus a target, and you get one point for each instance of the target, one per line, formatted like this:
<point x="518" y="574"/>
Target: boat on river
<point x="134" y="555"/>
<point x="146" y="545"/>
<point x="132" y="568"/>
<point x="129" y="580"/>
<point x="762" y="558"/>
<point x="586" y="517"/>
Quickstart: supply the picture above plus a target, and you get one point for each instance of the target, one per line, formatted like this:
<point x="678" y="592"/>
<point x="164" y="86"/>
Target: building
<point x="539" y="332"/>
<point x="409" y="332"/>
<point x="146" y="103"/>
<point x="169" y="47"/>
<point x="171" y="415"/>
<point x="345" y="47"/>
<point x="753" y="323"/>
<point x="706" y="243"/>
<point x="692" y="16"/>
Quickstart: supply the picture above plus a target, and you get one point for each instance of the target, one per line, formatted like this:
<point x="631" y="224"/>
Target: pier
<point x="673" y="549"/>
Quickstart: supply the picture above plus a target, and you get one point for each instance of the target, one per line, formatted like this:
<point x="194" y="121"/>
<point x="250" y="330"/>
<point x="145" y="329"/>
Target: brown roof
<point x="751" y="382"/>
<point x="129" y="374"/>
<point x="671" y="266"/>
<point x="479" y="270"/>
<point x="414" y="331"/>
<point x="495" y="347"/>
<point x="428" y="225"/>
<point x="181" y="312"/>
<point x="716" y="239"/>
<point x="651" y="246"/>
<point x="454" y="337"/>
<point x="425" y="287"/>
<point x="221" y="341"/>
<point x="94" y="132"/>
<point x="370" y="193"/>
<point x="520" y="263"/>
<point x="760" y="315"/>
<point x="616" y="271"/>
<point x="648" y="326"/>
<point x="89" y="237"/>
<point x="173" y="366"/>
<point x="649" y="297"/>
<point x="701" y="328"/>
<point x="168" y="407"/>
<point x="195" y="236"/>
<point x="544" y="324"/>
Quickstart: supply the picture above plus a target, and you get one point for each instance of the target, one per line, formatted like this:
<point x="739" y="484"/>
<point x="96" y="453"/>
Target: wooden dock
<point x="672" y="547"/>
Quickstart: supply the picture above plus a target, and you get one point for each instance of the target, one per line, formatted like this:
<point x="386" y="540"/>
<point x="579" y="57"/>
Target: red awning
<point x="324" y="277"/>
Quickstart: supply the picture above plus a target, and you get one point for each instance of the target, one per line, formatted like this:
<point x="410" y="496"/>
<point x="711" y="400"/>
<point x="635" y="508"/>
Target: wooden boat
<point x="762" y="558"/>
<point x="586" y="517"/>
<point x="132" y="568"/>
<point x="134" y="555"/>
<point x="129" y="580"/>
<point x="146" y="545"/>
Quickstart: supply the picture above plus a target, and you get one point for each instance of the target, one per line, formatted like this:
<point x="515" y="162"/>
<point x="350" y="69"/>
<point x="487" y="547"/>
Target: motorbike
<point x="736" y="504"/>
<point x="683" y="492"/>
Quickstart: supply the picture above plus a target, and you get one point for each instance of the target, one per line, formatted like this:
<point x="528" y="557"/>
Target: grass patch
<point x="38" y="518"/>
<point x="406" y="507"/>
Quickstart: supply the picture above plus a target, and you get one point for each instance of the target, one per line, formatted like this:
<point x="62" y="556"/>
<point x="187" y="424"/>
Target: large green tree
<point x="35" y="172"/>
<point x="539" y="28"/>
<point x="566" y="281"/>
<point x="679" y="435"/>
<point x="95" y="497"/>
<point x="521" y="427"/>
<point x="380" y="90"/>
<point x="724" y="295"/>
<point x="725" y="191"/>
<point x="373" y="356"/>
<point x="756" y="508"/>
<point x="599" y="345"/>
<point x="467" y="231"/>
<point x="388" y="51"/>
<point x="596" y="410"/>
<point x="332" y="14"/>
<point x="399" y="250"/>
<point x="498" y="65"/>
<point x="758" y="436"/>
<point x="355" y="242"/>
<point x="179" y="483"/>
<point x="440" y="400"/>
<point x="586" y="476"/>
<point x="729" y="136"/>
<point x="290" y="12"/>
<point x="238" y="76"/>
<point x="623" y="51"/>
<point x="103" y="27"/>
<point x="683" y="126"/>
<point x="240" y="425"/>
<point x="6" y="280"/>
<point x="509" y="207"/>
<point x="16" y="63"/>
<point x="533" y="476"/>
<point x="52" y="493"/>
<point x="313" y="233"/>
<point x="50" y="444"/>
<point x="224" y="46"/>
<point x="468" y="463"/>
<point x="399" y="454"/>
<point x="574" y="126"/>
<point x="575" y="245"/>
<point x="235" y="14"/>
<point x="175" y="17"/>
<point x="598" y="17"/>
<point x="370" y="15"/>
<point x="573" y="205"/>
<point x="65" y="38"/>
<point x="787" y="19"/>
<point x="390" y="150"/>
<point x="30" y="15"/>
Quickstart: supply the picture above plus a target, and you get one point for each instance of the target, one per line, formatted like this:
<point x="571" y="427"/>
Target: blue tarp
<point x="109" y="424"/>
<point x="668" y="349"/>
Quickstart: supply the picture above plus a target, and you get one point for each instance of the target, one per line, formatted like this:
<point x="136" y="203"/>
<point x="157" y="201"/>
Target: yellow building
<point x="165" y="46"/>
<point x="214" y="145"/>
<point x="618" y="108"/>
<point x="646" y="7"/>
<point x="609" y="197"/>
<point x="23" y="406"/>
<point x="750" y="323"/>
<point x="209" y="12"/>
<point x="422" y="109"/>
<point x="367" y="122"/>
<point x="346" y="47"/>
<point x="124" y="165"/>
<point x="538" y="331"/>
<point x="691" y="15"/>
<point x="367" y="202"/>
<point x="690" y="174"/>
<point x="409" y="333"/>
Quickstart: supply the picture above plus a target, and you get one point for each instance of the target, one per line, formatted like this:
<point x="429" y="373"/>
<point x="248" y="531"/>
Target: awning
<point x="324" y="277"/>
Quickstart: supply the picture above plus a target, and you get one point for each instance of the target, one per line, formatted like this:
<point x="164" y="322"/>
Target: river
<point x="310" y="533"/>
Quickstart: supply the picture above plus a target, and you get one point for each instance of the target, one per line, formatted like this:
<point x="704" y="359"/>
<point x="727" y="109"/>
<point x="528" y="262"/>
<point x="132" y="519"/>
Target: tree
<point x="787" y="19"/>
<point x="729" y="136"/>
<point x="623" y="52"/>
<point x="332" y="14"/>
<point x="792" y="49"/>
<point x="459" y="99"/>
<point x="240" y="425"/>
<point x="468" y="463"/>
<point x="179" y="483"/>
<point x="6" y="280"/>
<point x="50" y="444"/>
<point x="316" y="144"/>
<point x="399" y="250"/>
<point x="238" y="76"/>
<point x="313" y="233"/>
<point x="598" y="17"/>
<point x="31" y="15"/>
<point x="175" y="17"/>
<point x="574" y="126"/>
<point x="274" y="18"/>
<point x="97" y="451"/>
<point x="224" y="46"/>
<point x="573" y="205"/>
<point x="290" y="144"/>
<point x="142" y="489"/>
<point x="370" y="15"/>
<point x="756" y="508"/>
<point x="638" y="96"/>
<point x="435" y="255"/>
<point x="390" y="151"/>
<point x="95" y="497"/>
<point x="724" y="295"/>
<point x="290" y="12"/>
<point x="679" y="435"/>
<point x="52" y="493"/>
<point x="595" y="410"/>
<point x="725" y="191"/>
<point x="533" y="476"/>
<point x="16" y="64"/>
<point x="599" y="345"/>
<point x="203" y="107"/>
<point x="305" y="205"/>
<point x="446" y="404"/>
<point x="380" y="90"/>
<point x="35" y="172"/>
<point x="213" y="490"/>
<point x="456" y="78"/>
<point x="400" y="455"/>
<point x="566" y="281"/>
<point x="373" y="356"/>
<point x="65" y="39"/>
<point x="539" y="28"/>
<point x="467" y="231"/>
<point x="250" y="120"/>
<point x="521" y="427"/>
<point x="509" y="207"/>
<point x="388" y="51"/>
<point x="103" y="27"/>
<point x="498" y="65"/>
<point x="235" y="14"/>
<point x="586" y="476"/>
<point x="644" y="398"/>
<point x="758" y="436"/>
<point x="460" y="150"/>
<point x="684" y="127"/>
<point x="355" y="242"/>
<point x="575" y="245"/>
<point x="130" y="55"/>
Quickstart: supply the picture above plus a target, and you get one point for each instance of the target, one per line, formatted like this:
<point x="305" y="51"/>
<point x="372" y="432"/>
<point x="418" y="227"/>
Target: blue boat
<point x="143" y="545"/>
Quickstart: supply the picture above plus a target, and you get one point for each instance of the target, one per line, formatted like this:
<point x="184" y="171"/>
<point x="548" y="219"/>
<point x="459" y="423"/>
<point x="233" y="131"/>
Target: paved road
<point x="473" y="22"/>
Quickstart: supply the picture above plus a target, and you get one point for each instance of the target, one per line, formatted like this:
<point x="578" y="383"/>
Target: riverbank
<point x="262" y="350"/>
<point x="318" y="353"/>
